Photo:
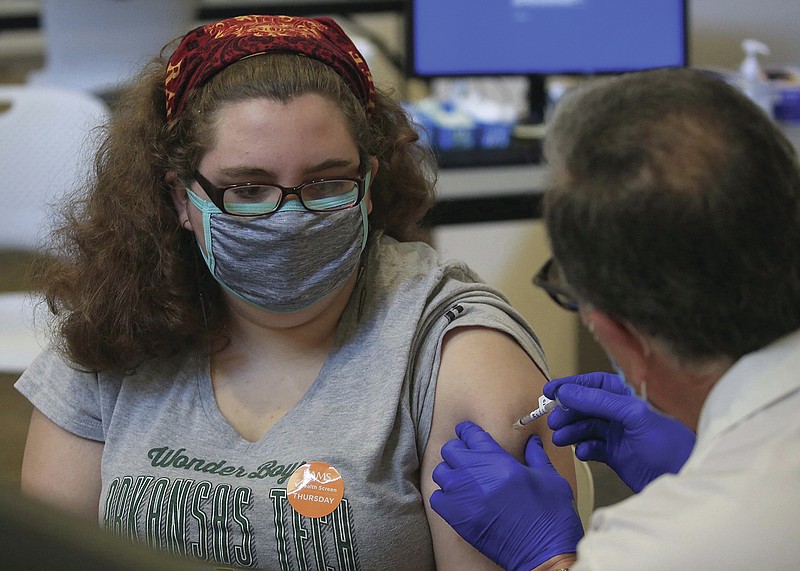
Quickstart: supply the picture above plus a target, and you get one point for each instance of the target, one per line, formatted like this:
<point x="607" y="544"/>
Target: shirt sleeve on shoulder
<point x="471" y="311"/>
<point x="67" y="396"/>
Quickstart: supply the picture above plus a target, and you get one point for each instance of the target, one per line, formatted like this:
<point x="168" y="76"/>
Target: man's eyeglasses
<point x="249" y="199"/>
<point x="551" y="280"/>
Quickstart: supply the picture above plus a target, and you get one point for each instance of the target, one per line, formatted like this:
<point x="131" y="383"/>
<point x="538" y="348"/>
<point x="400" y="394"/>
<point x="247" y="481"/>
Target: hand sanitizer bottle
<point x="753" y="79"/>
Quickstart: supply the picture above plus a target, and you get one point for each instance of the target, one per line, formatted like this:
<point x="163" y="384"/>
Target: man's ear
<point x="373" y="172"/>
<point x="629" y="349"/>
<point x="179" y="199"/>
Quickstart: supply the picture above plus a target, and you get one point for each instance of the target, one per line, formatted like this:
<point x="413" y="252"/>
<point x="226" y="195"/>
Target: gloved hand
<point x="609" y="424"/>
<point x="519" y="516"/>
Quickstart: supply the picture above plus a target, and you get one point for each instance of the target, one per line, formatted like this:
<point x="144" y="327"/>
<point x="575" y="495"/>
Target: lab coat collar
<point x="754" y="382"/>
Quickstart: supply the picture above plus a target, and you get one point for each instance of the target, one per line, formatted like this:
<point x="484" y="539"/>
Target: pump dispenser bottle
<point x="753" y="79"/>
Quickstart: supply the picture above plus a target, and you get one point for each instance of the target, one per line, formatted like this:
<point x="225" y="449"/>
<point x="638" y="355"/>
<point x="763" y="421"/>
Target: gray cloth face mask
<point x="286" y="261"/>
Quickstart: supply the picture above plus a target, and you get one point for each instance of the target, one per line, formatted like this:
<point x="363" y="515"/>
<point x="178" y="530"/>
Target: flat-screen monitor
<point x="536" y="38"/>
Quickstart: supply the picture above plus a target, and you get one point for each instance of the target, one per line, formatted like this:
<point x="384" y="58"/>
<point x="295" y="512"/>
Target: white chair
<point x="47" y="143"/>
<point x="21" y="335"/>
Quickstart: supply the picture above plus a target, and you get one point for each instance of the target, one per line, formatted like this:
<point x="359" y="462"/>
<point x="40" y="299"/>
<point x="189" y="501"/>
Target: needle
<point x="545" y="406"/>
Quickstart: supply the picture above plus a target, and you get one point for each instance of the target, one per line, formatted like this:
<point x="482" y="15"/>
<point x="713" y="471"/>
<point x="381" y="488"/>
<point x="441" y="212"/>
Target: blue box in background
<point x="787" y="104"/>
<point x="447" y="126"/>
<point x="496" y="135"/>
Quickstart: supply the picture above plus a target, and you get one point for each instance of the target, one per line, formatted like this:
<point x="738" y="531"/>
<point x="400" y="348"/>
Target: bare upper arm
<point x="485" y="377"/>
<point x="62" y="469"/>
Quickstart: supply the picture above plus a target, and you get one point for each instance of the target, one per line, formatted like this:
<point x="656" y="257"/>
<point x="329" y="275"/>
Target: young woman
<point x="258" y="363"/>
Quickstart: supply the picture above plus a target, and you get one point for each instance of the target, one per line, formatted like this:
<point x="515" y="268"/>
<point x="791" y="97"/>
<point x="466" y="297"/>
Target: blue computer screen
<point x="526" y="37"/>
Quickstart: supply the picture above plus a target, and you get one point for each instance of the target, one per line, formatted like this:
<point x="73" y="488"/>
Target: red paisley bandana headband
<point x="207" y="50"/>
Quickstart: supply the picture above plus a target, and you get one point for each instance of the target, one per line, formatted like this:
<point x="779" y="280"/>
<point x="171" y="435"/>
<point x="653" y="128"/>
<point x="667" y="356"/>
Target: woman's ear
<point x="373" y="172"/>
<point x="179" y="199"/>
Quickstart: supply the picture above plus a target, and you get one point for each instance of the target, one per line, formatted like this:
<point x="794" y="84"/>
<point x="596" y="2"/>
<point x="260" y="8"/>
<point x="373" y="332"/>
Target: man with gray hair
<point x="674" y="220"/>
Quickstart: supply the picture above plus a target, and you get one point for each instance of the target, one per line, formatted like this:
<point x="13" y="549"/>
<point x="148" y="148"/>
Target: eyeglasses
<point x="552" y="281"/>
<point x="249" y="199"/>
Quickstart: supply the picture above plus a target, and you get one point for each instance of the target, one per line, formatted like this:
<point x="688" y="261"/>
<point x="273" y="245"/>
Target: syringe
<point x="545" y="406"/>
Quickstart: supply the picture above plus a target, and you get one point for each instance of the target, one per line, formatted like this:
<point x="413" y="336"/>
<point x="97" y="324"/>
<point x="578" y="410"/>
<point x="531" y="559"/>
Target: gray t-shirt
<point x="177" y="476"/>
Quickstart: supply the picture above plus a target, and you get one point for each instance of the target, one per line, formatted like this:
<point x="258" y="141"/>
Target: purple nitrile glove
<point x="518" y="515"/>
<point x="609" y="424"/>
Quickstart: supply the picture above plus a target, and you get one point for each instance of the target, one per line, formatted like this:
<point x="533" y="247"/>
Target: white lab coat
<point x="736" y="502"/>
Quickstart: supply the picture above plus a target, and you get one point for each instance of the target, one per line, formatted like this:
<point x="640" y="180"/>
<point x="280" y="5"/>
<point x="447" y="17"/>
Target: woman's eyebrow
<point x="245" y="171"/>
<point x="329" y="164"/>
<point x="239" y="171"/>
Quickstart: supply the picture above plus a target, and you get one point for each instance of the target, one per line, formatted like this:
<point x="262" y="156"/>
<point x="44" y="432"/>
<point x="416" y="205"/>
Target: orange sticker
<point x="315" y="489"/>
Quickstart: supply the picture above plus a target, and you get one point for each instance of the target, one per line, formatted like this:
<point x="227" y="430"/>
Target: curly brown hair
<point x="124" y="281"/>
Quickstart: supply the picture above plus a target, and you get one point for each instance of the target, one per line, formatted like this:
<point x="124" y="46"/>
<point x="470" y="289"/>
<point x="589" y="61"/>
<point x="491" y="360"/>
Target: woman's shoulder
<point x="83" y="401"/>
<point x="52" y="363"/>
<point x="415" y="259"/>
